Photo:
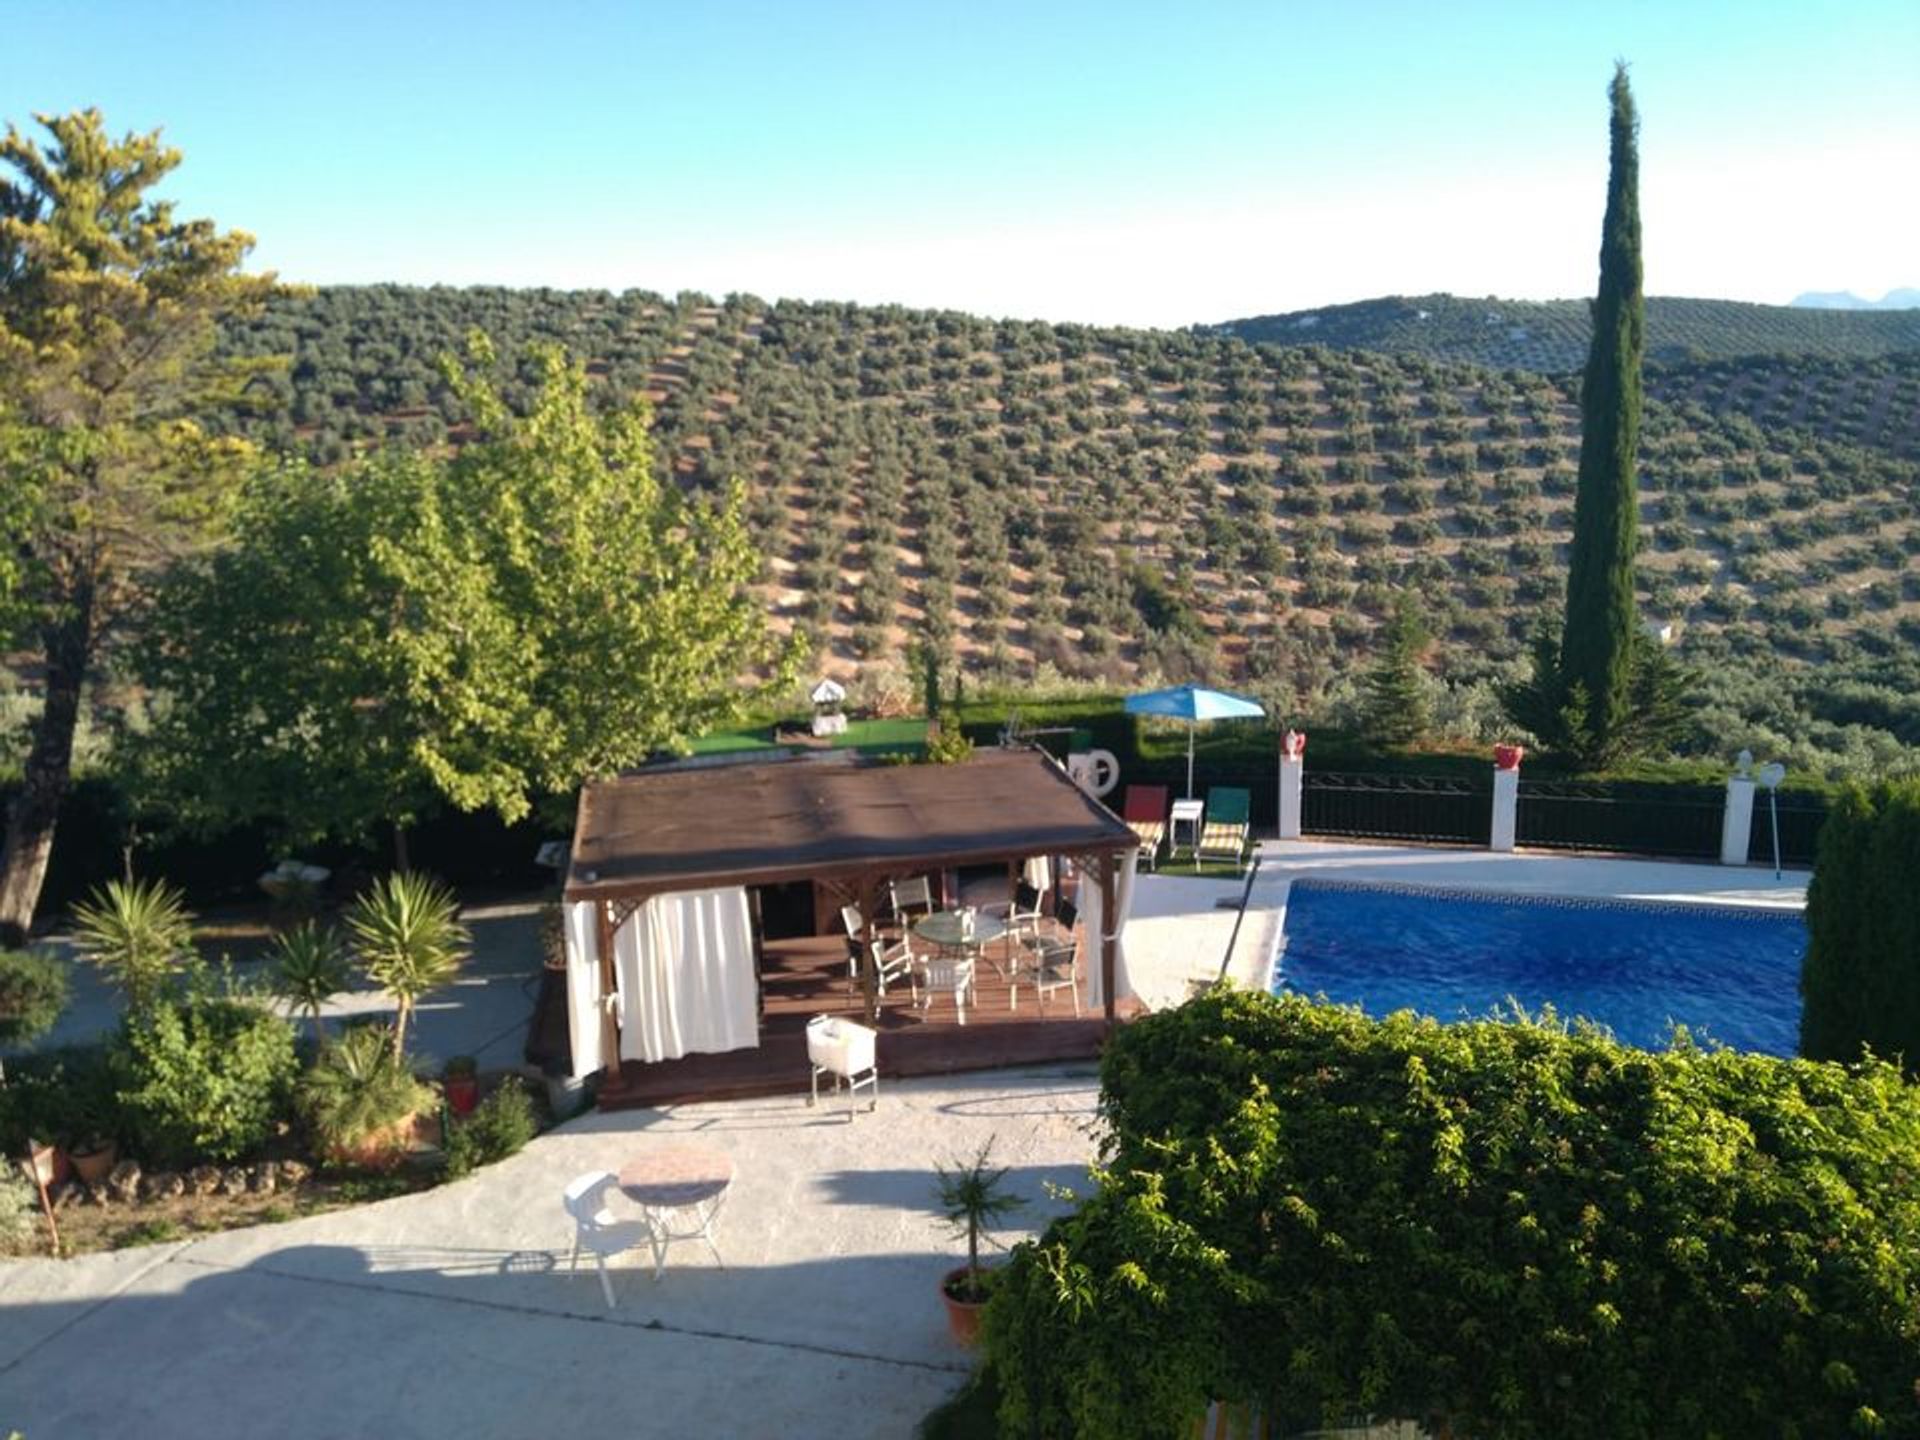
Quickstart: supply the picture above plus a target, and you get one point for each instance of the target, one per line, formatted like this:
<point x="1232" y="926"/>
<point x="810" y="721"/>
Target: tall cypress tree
<point x="1598" y="642"/>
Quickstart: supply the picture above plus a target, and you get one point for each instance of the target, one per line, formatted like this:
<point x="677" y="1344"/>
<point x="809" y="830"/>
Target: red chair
<point x="1145" y="811"/>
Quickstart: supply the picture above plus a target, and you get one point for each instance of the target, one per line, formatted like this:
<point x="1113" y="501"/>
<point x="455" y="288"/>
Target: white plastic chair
<point x="594" y="1228"/>
<point x="944" y="977"/>
<point x="890" y="962"/>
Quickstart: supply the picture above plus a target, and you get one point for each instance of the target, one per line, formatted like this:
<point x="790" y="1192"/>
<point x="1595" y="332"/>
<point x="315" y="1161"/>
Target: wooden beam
<point x="869" y="977"/>
<point x="609" y="987"/>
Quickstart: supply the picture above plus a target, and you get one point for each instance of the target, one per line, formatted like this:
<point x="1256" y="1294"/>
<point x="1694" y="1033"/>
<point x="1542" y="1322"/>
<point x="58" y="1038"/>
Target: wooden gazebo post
<point x="869" y="982"/>
<point x="1109" y="946"/>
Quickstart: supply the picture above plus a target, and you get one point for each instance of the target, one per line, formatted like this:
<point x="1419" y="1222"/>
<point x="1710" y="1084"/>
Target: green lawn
<point x="901" y="734"/>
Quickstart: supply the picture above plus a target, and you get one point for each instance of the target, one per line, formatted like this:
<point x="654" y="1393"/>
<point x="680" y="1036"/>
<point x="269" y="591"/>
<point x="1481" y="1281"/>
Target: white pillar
<point x="1291" y="769"/>
<point x="1293" y="765"/>
<point x="1506" y="807"/>
<point x="1736" y="822"/>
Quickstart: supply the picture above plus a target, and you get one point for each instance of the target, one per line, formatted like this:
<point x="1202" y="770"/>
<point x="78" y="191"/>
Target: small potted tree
<point x="461" y="1080"/>
<point x="972" y="1196"/>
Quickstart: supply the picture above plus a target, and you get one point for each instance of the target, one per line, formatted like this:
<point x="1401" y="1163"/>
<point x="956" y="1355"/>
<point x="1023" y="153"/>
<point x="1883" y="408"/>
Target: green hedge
<point x="1860" y="982"/>
<point x="1504" y="1229"/>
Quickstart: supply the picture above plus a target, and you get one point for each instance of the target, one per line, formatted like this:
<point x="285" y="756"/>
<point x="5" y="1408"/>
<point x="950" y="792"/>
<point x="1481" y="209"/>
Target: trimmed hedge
<point x="1498" y="1230"/>
<point x="1861" y="978"/>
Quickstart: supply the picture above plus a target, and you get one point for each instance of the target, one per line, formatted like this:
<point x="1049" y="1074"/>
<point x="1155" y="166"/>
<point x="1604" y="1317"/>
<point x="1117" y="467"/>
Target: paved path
<point x="451" y="1313"/>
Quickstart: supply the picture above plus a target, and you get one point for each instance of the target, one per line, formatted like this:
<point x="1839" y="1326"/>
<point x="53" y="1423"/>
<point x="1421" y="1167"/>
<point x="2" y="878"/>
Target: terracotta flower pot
<point x="963" y="1316"/>
<point x="50" y="1165"/>
<point x="93" y="1166"/>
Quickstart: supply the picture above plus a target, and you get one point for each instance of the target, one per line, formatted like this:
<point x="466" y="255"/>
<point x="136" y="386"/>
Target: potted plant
<point x="360" y="1100"/>
<point x="972" y="1195"/>
<point x="93" y="1158"/>
<point x="461" y="1080"/>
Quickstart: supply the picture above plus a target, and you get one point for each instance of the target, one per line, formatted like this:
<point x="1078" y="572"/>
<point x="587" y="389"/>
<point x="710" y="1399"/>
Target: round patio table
<point x="945" y="929"/>
<point x="681" y="1189"/>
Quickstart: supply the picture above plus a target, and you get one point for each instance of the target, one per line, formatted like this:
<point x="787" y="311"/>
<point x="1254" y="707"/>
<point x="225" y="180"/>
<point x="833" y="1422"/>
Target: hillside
<point x="1107" y="501"/>
<point x="1551" y="335"/>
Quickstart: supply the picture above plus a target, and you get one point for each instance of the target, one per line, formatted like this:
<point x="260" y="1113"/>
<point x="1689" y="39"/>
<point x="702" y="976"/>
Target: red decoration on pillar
<point x="1508" y="757"/>
<point x="1293" y="744"/>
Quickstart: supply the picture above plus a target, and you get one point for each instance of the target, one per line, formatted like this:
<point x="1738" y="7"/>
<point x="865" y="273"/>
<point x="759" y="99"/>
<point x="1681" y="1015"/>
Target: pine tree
<point x="1396" y="708"/>
<point x="1597" y="647"/>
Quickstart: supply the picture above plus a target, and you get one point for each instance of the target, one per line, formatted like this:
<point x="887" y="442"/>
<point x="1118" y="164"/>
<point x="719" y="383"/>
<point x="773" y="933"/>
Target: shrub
<point x="1496" y="1229"/>
<point x="203" y="1077"/>
<point x="64" y="1095"/>
<point x="1860" y="982"/>
<point x="33" y="992"/>
<point x="406" y="930"/>
<point x="358" y="1091"/>
<point x="19" y="1209"/>
<point x="500" y="1126"/>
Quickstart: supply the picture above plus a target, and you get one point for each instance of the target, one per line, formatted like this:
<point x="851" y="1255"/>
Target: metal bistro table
<point x="680" y="1188"/>
<point x="948" y="930"/>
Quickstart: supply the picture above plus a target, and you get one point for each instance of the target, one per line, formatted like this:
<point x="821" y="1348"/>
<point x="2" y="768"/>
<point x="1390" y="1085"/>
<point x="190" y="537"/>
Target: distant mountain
<point x="1906" y="299"/>
<point x="1551" y="335"/>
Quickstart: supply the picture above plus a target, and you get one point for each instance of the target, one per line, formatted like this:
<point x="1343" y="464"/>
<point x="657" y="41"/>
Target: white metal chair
<point x="944" y="975"/>
<point x="846" y="1051"/>
<point x="908" y="895"/>
<point x="596" y="1230"/>
<point x="1056" y="967"/>
<point x="852" y="919"/>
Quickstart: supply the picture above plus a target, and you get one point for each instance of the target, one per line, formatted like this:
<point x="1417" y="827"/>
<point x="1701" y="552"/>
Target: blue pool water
<point x="1727" y="975"/>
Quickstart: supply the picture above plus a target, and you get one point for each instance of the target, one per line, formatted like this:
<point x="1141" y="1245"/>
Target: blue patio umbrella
<point x="1193" y="703"/>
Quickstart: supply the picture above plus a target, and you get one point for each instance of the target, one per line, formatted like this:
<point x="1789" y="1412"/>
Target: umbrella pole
<point x="1189" y="759"/>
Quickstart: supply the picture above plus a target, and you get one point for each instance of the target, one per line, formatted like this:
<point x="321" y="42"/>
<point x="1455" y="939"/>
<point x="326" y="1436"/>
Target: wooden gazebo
<point x="709" y="832"/>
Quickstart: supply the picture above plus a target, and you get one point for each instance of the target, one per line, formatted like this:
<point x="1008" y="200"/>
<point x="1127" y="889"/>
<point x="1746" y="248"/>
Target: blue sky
<point x="1157" y="165"/>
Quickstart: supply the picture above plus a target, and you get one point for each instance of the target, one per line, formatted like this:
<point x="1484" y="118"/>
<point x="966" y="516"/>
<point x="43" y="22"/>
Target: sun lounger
<point x="1145" y="811"/>
<point x="1224" y="836"/>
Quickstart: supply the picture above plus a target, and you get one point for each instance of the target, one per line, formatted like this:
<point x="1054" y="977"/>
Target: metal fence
<point x="1636" y="819"/>
<point x="1801" y="817"/>
<point x="1451" y="809"/>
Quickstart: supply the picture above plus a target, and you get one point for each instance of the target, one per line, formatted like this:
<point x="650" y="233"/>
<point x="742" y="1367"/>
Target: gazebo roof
<point x="697" y="828"/>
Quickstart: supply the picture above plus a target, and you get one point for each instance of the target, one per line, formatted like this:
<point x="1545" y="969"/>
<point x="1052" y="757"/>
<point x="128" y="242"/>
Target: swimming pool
<point x="1731" y="975"/>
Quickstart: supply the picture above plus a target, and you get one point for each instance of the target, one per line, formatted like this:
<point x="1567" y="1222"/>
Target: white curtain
<point x="685" y="966"/>
<point x="1097" y="924"/>
<point x="583" y="988"/>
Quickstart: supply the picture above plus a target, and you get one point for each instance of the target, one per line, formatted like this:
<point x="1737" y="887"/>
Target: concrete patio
<point x="452" y="1312"/>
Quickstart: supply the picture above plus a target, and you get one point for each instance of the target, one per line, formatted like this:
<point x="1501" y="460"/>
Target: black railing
<point x="1450" y="809"/>
<point x="1622" y="816"/>
<point x="1801" y="816"/>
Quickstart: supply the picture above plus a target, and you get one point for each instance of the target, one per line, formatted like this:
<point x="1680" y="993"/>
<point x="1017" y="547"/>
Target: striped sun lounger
<point x="1224" y="835"/>
<point x="1145" y="812"/>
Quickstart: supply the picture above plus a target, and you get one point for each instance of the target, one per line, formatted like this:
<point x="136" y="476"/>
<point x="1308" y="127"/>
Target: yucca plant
<point x="359" y="1090"/>
<point x="137" y="932"/>
<point x="407" y="933"/>
<point x="309" y="969"/>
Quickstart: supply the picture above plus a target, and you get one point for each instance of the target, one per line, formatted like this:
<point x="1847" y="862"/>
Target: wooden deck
<point x="803" y="978"/>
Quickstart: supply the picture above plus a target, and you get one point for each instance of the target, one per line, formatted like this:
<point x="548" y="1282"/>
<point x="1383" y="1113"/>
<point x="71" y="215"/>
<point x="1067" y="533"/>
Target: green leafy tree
<point x="1860" y="981"/>
<point x="108" y="303"/>
<point x="1498" y="1229"/>
<point x="1597" y="645"/>
<point x="309" y="969"/>
<point x="407" y="933"/>
<point x="485" y="632"/>
<point x="139" y="933"/>
<point x="1396" y="702"/>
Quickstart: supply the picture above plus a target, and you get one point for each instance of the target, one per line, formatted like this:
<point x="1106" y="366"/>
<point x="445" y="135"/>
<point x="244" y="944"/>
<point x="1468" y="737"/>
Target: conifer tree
<point x="1396" y="709"/>
<point x="1598" y="642"/>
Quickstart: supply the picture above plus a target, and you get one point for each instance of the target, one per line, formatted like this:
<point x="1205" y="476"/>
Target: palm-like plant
<point x="359" y="1090"/>
<point x="137" y="931"/>
<point x="309" y="969"/>
<point x="972" y="1195"/>
<point x="407" y="933"/>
